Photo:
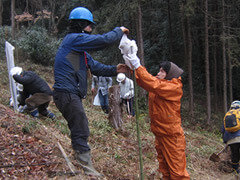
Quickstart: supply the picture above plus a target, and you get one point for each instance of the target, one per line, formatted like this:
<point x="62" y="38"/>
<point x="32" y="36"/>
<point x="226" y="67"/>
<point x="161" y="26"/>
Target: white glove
<point x="132" y="61"/>
<point x="126" y="96"/>
<point x="15" y="71"/>
<point x="19" y="87"/>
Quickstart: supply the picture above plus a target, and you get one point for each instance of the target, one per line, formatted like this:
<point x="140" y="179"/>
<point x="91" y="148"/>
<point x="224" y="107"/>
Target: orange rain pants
<point x="171" y="157"/>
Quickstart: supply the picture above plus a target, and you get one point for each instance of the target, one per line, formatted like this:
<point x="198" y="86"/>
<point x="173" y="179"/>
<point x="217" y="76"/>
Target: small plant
<point x="30" y="126"/>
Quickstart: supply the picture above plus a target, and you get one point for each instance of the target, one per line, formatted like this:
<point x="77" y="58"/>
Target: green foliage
<point x="5" y="35"/>
<point x="38" y="45"/>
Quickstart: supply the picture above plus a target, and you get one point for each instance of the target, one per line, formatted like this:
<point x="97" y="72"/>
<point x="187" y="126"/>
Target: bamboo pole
<point x="137" y="125"/>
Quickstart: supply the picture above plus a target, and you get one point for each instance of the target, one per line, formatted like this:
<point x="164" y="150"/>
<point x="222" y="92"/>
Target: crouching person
<point x="36" y="94"/>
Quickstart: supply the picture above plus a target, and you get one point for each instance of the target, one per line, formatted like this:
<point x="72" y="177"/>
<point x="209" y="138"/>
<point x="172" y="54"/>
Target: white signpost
<point x="10" y="63"/>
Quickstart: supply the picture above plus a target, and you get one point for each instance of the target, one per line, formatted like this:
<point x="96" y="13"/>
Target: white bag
<point x="127" y="47"/>
<point x="96" y="101"/>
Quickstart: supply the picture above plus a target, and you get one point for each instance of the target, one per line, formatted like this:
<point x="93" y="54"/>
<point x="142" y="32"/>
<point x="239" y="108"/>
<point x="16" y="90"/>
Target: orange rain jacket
<point x="164" y="102"/>
<point x="164" y="110"/>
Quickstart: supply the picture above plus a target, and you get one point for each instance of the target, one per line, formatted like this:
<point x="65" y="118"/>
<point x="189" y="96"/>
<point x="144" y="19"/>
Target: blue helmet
<point x="235" y="104"/>
<point x="81" y="13"/>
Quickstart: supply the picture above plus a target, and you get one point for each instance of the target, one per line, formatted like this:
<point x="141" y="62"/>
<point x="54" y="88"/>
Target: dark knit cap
<point x="77" y="26"/>
<point x="172" y="70"/>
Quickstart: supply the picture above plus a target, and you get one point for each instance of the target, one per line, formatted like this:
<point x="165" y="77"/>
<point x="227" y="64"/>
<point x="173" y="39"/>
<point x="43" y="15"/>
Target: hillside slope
<point x="29" y="149"/>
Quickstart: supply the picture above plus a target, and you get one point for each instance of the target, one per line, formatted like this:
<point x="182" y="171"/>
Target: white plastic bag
<point x="96" y="101"/>
<point x="127" y="47"/>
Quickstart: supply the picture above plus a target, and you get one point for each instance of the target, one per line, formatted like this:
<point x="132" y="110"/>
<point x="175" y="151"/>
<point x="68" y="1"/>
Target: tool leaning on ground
<point x="215" y="156"/>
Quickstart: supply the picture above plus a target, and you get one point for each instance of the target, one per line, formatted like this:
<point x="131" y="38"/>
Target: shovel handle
<point x="223" y="149"/>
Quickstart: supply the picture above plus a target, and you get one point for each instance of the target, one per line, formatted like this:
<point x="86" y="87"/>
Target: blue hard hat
<point x="81" y="13"/>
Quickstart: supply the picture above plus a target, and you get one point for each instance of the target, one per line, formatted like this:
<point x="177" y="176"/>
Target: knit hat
<point x="172" y="70"/>
<point x="77" y="26"/>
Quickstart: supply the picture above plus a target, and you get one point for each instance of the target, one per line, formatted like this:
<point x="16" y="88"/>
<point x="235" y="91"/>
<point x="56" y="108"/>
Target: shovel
<point x="215" y="157"/>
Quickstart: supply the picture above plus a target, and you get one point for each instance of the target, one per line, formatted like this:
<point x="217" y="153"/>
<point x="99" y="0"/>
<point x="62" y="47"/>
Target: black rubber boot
<point x="235" y="167"/>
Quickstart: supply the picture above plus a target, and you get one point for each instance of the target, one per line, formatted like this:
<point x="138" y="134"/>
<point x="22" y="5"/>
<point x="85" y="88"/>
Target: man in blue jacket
<point x="70" y="72"/>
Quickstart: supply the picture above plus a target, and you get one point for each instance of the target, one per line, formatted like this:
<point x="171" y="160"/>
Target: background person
<point x="102" y="84"/>
<point x="233" y="140"/>
<point x="36" y="93"/>
<point x="126" y="92"/>
<point x="165" y="93"/>
<point x="70" y="73"/>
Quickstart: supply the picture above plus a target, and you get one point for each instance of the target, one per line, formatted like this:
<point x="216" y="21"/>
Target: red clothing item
<point x="164" y="111"/>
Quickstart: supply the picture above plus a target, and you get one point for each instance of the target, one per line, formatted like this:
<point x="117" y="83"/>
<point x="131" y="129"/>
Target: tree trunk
<point x="115" y="111"/>
<point x="189" y="56"/>
<point x="207" y="74"/>
<point x="229" y="59"/>
<point x="187" y="40"/>
<point x="13" y="18"/>
<point x="170" y="31"/>
<point x="215" y="72"/>
<point x="65" y="5"/>
<point x="42" y="17"/>
<point x="140" y="48"/>
<point x="1" y="11"/>
<point x="139" y="34"/>
<point x="224" y="61"/>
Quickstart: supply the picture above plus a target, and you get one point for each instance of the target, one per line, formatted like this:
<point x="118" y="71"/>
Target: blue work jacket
<point x="72" y="60"/>
<point x="229" y="135"/>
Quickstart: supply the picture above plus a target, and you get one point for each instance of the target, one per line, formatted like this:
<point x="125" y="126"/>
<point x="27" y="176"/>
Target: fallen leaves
<point x="22" y="155"/>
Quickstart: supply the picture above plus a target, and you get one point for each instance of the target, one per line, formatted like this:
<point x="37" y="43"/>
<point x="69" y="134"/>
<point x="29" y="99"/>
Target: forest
<point x="201" y="36"/>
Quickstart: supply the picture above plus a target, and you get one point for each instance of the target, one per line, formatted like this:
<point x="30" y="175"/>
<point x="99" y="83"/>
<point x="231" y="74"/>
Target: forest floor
<point x="29" y="147"/>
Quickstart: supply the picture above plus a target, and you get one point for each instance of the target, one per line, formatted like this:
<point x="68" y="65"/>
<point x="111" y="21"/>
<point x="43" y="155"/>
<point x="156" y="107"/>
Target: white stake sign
<point x="10" y="63"/>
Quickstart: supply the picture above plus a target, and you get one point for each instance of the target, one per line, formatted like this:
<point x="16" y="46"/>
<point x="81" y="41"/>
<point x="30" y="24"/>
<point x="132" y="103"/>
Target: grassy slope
<point x="115" y="153"/>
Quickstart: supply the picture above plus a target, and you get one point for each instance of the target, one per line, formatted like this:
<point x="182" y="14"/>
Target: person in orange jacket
<point x="165" y="93"/>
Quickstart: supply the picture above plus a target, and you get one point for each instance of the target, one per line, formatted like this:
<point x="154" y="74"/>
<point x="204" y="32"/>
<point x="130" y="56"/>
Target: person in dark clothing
<point x="36" y="93"/>
<point x="232" y="139"/>
<point x="70" y="73"/>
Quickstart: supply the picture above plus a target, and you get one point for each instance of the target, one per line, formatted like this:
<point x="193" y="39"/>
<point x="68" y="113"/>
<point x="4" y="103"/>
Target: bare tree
<point x="224" y="60"/>
<point x="207" y="74"/>
<point x="170" y="31"/>
<point x="1" y="11"/>
<point x="187" y="37"/>
<point x="139" y="33"/>
<point x="229" y="58"/>
<point x="13" y="18"/>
